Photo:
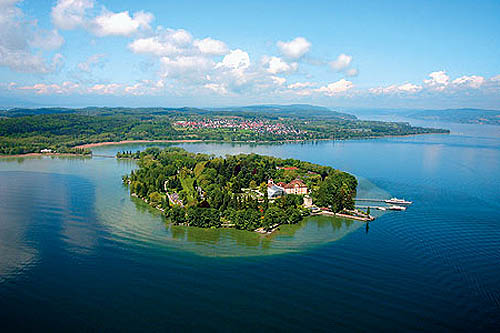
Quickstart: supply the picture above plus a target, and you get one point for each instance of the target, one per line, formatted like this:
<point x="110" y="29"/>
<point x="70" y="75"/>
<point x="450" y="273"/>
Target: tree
<point x="273" y="216"/>
<point x="210" y="188"/>
<point x="337" y="191"/>
<point x="203" y="217"/>
<point x="177" y="215"/>
<point x="263" y="188"/>
<point x="155" y="198"/>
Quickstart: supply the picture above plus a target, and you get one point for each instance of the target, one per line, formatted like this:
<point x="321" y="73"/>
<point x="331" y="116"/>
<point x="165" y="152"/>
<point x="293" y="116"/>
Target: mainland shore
<point x="44" y="154"/>
<point x="110" y="143"/>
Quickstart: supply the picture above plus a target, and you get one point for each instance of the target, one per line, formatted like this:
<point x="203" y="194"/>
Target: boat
<point x="398" y="201"/>
<point x="395" y="207"/>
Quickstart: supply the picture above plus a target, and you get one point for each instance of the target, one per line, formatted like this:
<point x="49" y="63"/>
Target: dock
<point x="392" y="207"/>
<point x="373" y="207"/>
<point x="395" y="203"/>
<point x="348" y="216"/>
<point x="371" y="200"/>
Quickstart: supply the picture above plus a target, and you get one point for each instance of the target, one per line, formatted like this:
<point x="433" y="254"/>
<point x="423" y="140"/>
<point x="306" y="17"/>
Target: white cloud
<point x="168" y="42"/>
<point x="17" y="37"/>
<point x="383" y="90"/>
<point x="91" y="61"/>
<point x="304" y="92"/>
<point x="47" y="40"/>
<point x="341" y="63"/>
<point x="217" y="88"/>
<point x="120" y="24"/>
<point x="409" y="87"/>
<point x="49" y="89"/>
<point x="276" y="65"/>
<point x="352" y="72"/>
<point x="278" y="80"/>
<point x="438" y="81"/>
<point x="143" y="87"/>
<point x="335" y="88"/>
<point x="295" y="48"/>
<point x="154" y="46"/>
<point x="189" y="67"/>
<point x="192" y="63"/>
<point x="300" y="85"/>
<point x="8" y="3"/>
<point x="492" y="84"/>
<point x="474" y="81"/>
<point x="236" y="59"/>
<point x="105" y="89"/>
<point x="394" y="89"/>
<point x="69" y="14"/>
<point x="211" y="46"/>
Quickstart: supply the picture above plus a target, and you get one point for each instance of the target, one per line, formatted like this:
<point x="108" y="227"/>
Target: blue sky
<point x="382" y="54"/>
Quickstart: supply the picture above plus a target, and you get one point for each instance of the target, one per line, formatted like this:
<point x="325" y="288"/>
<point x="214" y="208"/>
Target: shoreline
<point x="111" y="143"/>
<point x="123" y="142"/>
<point x="44" y="154"/>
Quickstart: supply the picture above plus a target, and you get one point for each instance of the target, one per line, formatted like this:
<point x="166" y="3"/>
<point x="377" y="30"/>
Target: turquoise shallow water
<point x="76" y="252"/>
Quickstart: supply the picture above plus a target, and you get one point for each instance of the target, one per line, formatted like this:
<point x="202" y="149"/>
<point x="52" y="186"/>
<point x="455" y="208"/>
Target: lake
<point x="78" y="253"/>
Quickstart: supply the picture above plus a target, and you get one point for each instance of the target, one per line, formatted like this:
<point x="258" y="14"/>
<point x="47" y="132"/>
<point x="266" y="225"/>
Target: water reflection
<point x="230" y="242"/>
<point x="141" y="223"/>
<point x="90" y="201"/>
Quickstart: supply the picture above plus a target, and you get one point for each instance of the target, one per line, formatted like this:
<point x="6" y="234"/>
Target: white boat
<point x="394" y="207"/>
<point x="398" y="201"/>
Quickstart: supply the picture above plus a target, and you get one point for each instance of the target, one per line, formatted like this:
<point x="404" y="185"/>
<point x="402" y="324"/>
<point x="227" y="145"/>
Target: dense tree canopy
<point x="207" y="191"/>
<point x="25" y="131"/>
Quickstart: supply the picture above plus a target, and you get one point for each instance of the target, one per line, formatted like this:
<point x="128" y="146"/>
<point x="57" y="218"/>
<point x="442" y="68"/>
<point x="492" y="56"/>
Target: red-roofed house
<point x="295" y="187"/>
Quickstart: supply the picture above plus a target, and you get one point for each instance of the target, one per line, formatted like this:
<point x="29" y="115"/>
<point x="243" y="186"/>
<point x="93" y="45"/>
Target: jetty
<point x="371" y="200"/>
<point x="391" y="207"/>
<point x="388" y="201"/>
<point x="353" y="215"/>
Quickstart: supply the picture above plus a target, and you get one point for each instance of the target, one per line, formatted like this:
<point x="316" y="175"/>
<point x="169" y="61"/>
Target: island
<point x="247" y="191"/>
<point x="75" y="131"/>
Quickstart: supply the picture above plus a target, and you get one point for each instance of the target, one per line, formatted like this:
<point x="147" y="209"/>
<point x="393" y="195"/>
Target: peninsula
<point x="249" y="192"/>
<point x="60" y="130"/>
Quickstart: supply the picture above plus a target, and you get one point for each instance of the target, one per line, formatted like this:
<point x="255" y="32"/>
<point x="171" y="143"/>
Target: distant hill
<point x="11" y="102"/>
<point x="466" y="116"/>
<point x="20" y="112"/>
<point x="300" y="111"/>
<point x="291" y="110"/>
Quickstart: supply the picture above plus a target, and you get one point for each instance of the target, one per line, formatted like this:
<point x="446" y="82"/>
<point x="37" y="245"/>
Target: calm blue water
<point x="76" y="252"/>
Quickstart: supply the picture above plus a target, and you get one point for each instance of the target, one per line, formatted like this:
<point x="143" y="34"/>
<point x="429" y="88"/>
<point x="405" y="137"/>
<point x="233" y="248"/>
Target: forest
<point x="27" y="130"/>
<point x="211" y="192"/>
